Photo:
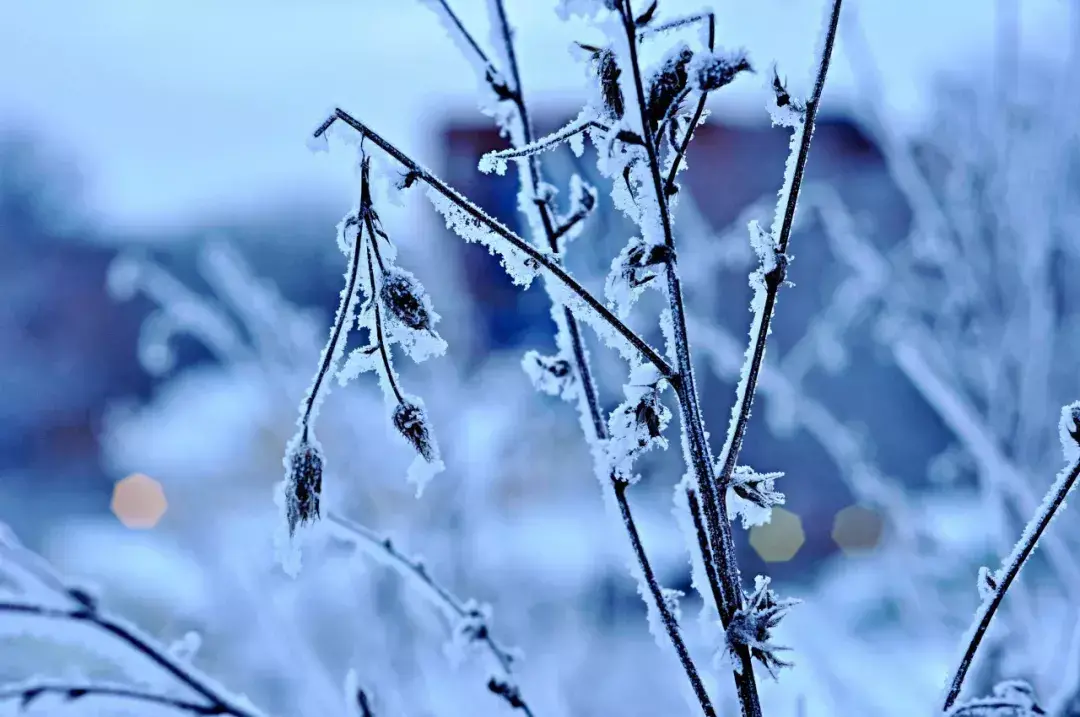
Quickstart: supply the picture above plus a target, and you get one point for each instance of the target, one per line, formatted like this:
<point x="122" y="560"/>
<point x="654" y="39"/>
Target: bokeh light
<point x="780" y="539"/>
<point x="138" y="501"/>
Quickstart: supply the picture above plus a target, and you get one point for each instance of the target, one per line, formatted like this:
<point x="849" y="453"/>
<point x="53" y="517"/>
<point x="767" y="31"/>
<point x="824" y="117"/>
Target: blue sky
<point x="180" y="108"/>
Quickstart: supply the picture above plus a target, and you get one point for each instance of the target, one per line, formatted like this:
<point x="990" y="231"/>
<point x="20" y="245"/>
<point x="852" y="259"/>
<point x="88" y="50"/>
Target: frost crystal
<point x="552" y="375"/>
<point x="752" y="495"/>
<point x="521" y="268"/>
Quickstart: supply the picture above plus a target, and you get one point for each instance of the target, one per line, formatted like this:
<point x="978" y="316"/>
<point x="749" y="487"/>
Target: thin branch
<point x="588" y="386"/>
<point x="491" y="73"/>
<point x="219" y="703"/>
<point x="343" y="318"/>
<point x="699" y="111"/>
<point x="1055" y="500"/>
<point x="775" y="278"/>
<point x="542" y="258"/>
<point x="30" y="691"/>
<point x="544" y="144"/>
<point x="383" y="550"/>
<point x="727" y="581"/>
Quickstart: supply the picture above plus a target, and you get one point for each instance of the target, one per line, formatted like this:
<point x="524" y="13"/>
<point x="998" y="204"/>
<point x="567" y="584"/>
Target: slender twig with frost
<point x="54" y="600"/>
<point x="590" y="307"/>
<point x="466" y="614"/>
<point x="994" y="585"/>
<point x="725" y="581"/>
<point x="526" y="147"/>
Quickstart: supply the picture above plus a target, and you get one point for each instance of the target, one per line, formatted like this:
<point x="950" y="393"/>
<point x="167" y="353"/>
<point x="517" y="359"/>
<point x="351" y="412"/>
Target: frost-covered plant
<point x="639" y="121"/>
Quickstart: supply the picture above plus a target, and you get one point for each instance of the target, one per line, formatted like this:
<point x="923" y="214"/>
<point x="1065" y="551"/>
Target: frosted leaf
<point x="667" y="84"/>
<point x="637" y="425"/>
<point x="752" y="495"/>
<point x="636" y="266"/>
<point x="784" y="110"/>
<point x="348" y="231"/>
<point x="521" y="267"/>
<point x="359" y="361"/>
<point x="712" y="70"/>
<point x="492" y="162"/>
<point x="764" y="245"/>
<point x="577" y="145"/>
<point x="552" y="375"/>
<point x="988" y="582"/>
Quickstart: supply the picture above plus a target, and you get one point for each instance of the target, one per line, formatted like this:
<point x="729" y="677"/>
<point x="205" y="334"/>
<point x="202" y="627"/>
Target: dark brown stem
<point x="720" y="541"/>
<point x="588" y="386"/>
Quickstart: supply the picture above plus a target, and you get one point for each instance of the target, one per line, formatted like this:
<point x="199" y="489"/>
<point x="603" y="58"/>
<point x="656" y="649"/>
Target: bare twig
<point x="775" y="278"/>
<point x="27" y="692"/>
<point x="1055" y="499"/>
<point x="454" y="608"/>
<point x="542" y="258"/>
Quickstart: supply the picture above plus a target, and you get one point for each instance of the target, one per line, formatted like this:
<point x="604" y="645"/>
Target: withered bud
<point x="667" y="84"/>
<point x="304" y="485"/>
<point x="403" y="296"/>
<point x="715" y="71"/>
<point x="608" y="71"/>
<point x="411" y="422"/>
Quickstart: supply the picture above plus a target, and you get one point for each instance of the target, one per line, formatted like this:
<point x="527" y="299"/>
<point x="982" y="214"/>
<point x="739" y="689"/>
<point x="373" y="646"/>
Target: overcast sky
<point x="179" y="108"/>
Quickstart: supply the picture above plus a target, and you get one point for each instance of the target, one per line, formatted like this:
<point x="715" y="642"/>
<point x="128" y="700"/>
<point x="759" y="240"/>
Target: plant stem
<point x="1055" y="500"/>
<point x="543" y="258"/>
<point x="775" y="279"/>
<point x="588" y="387"/>
<point x="73" y="691"/>
<point x="720" y="541"/>
<point x="383" y="550"/>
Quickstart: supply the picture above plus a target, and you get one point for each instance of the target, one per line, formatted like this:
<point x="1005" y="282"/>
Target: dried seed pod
<point x="411" y="421"/>
<point x="404" y="297"/>
<point x="304" y="488"/>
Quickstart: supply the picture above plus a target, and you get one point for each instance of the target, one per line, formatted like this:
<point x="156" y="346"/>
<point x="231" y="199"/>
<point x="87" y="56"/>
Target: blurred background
<point x="170" y="272"/>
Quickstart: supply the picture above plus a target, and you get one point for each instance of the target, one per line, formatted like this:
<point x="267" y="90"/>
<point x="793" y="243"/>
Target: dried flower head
<point x="405" y="299"/>
<point x="1011" y="698"/>
<point x="411" y="422"/>
<point x="751" y="626"/>
<point x="304" y="484"/>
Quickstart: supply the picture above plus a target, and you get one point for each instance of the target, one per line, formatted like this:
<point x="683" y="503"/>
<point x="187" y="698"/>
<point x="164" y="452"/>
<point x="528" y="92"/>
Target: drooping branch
<point x="454" y="608"/>
<point x="515" y="243"/>
<point x="28" y="692"/>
